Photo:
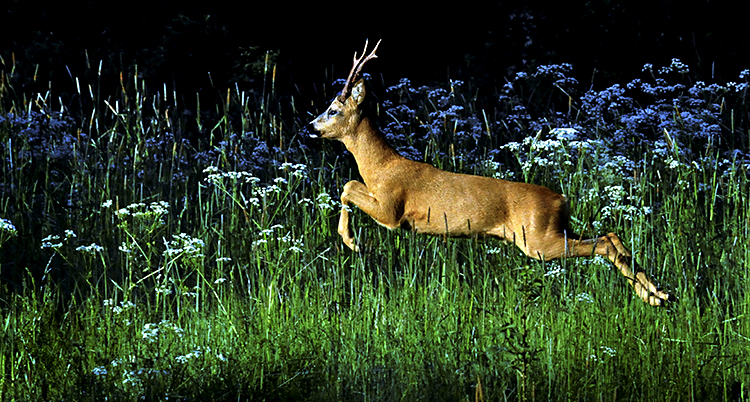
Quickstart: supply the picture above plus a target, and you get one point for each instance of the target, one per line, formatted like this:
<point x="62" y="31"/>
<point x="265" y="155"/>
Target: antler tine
<point x="369" y="57"/>
<point x="357" y="67"/>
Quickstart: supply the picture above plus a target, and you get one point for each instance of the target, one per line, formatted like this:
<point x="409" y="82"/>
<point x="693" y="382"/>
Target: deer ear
<point x="358" y="92"/>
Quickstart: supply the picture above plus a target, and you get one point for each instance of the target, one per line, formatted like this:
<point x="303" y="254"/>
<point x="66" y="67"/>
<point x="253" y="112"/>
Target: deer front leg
<point x="352" y="190"/>
<point x="358" y="194"/>
<point x="344" y="230"/>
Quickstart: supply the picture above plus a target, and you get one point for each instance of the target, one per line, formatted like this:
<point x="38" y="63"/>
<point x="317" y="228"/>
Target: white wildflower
<point x="584" y="297"/>
<point x="90" y="249"/>
<point x="558" y="271"/>
<point x="150" y="332"/>
<point x="51" y="241"/>
<point x="7" y="226"/>
<point x="609" y="351"/>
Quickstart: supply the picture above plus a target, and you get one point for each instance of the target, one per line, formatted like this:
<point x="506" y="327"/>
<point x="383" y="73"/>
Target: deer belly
<point x="442" y="222"/>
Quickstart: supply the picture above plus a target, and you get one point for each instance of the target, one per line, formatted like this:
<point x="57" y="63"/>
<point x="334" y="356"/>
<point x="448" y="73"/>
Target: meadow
<point x="141" y="263"/>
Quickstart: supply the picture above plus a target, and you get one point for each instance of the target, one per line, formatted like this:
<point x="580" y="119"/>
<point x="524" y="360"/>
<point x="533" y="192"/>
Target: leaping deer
<point x="398" y="192"/>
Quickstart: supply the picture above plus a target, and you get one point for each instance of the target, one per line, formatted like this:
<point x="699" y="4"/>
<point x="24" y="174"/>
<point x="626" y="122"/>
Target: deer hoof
<point x="658" y="299"/>
<point x="349" y="241"/>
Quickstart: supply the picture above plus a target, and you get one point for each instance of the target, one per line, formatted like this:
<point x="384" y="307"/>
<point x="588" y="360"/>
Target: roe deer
<point x="398" y="192"/>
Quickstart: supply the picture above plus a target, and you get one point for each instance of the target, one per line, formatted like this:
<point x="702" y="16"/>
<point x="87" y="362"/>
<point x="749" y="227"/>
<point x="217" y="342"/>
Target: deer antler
<point x="357" y="67"/>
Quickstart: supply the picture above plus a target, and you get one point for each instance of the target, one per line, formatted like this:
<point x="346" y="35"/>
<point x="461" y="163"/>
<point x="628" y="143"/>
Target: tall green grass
<point x="146" y="266"/>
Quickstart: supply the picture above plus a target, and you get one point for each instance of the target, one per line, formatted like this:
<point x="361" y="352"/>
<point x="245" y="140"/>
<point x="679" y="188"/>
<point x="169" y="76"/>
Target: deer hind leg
<point x="358" y="194"/>
<point x="611" y="247"/>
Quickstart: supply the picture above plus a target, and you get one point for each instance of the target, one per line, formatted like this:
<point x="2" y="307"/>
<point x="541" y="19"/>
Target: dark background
<point x="178" y="44"/>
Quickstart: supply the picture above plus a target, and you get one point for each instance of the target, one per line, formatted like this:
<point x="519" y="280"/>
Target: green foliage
<point x="139" y="265"/>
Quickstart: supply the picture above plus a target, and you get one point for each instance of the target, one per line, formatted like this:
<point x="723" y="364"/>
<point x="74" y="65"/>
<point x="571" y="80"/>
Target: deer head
<point x="344" y="114"/>
<point x="341" y="117"/>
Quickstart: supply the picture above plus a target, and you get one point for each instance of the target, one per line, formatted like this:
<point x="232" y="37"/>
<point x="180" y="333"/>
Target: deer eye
<point x="333" y="112"/>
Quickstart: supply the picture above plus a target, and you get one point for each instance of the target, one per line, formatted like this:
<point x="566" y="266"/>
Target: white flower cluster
<point x="325" y="202"/>
<point x="257" y="193"/>
<point x="184" y="359"/>
<point x="584" y="298"/>
<point x="7" y="226"/>
<point x="555" y="272"/>
<point x="297" y="169"/>
<point x="295" y="245"/>
<point x="215" y="176"/>
<point x="55" y="242"/>
<point x="91" y="249"/>
<point x="183" y="244"/>
<point x="606" y="351"/>
<point x="124" y="306"/>
<point x="151" y="331"/>
<point x="51" y="241"/>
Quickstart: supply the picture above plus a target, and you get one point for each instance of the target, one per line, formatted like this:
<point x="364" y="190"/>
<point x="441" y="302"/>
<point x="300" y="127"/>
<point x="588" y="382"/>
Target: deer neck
<point x="370" y="150"/>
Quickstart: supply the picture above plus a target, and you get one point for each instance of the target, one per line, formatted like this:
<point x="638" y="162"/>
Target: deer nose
<point x="312" y="134"/>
